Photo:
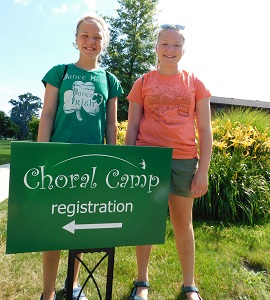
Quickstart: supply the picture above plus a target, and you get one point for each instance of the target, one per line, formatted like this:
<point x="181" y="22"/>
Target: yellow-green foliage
<point x="246" y="140"/>
<point x="122" y="127"/>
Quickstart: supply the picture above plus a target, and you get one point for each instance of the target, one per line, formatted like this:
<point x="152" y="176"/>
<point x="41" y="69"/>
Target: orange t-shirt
<point x="169" y="111"/>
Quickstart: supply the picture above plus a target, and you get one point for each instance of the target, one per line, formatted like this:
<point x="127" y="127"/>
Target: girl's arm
<point x="48" y="113"/>
<point x="135" y="113"/>
<point x="203" y="118"/>
<point x="111" y="122"/>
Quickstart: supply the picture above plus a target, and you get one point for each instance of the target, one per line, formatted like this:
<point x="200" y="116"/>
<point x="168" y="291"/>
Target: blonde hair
<point x="97" y="19"/>
<point x="176" y="29"/>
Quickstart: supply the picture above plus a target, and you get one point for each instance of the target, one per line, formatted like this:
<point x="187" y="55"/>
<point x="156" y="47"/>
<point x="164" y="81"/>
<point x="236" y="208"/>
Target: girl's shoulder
<point x="55" y="75"/>
<point x="109" y="75"/>
<point x="190" y="77"/>
<point x="60" y="67"/>
<point x="149" y="76"/>
<point x="187" y="73"/>
<point x="150" y="73"/>
<point x="58" y="70"/>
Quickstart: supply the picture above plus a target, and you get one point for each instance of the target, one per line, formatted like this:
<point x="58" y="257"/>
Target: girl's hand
<point x="199" y="185"/>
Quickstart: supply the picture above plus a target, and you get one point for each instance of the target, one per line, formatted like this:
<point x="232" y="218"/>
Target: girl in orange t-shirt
<point x="164" y="107"/>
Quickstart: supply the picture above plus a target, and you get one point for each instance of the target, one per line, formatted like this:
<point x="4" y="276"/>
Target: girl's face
<point x="170" y="47"/>
<point x="90" y="39"/>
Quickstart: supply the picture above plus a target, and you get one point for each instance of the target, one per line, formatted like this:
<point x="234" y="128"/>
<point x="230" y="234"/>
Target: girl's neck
<point x="87" y="64"/>
<point x="168" y="70"/>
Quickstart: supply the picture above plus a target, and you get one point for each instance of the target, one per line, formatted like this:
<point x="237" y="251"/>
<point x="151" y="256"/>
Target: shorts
<point x="182" y="173"/>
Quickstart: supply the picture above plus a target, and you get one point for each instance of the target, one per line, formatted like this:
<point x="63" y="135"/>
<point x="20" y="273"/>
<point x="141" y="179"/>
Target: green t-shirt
<point x="82" y="102"/>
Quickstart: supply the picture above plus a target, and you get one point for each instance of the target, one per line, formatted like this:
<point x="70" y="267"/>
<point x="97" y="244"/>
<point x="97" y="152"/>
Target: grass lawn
<point x="4" y="152"/>
<point x="231" y="263"/>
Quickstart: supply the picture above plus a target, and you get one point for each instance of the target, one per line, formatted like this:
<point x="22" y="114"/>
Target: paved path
<point x="4" y="181"/>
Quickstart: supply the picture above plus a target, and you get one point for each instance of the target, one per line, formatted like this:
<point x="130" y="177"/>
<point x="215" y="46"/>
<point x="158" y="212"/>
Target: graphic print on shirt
<point x="170" y="104"/>
<point x="82" y="96"/>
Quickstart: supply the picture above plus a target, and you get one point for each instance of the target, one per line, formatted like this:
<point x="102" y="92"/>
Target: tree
<point x="7" y="128"/>
<point x="33" y="127"/>
<point x="131" y="51"/>
<point x="22" y="112"/>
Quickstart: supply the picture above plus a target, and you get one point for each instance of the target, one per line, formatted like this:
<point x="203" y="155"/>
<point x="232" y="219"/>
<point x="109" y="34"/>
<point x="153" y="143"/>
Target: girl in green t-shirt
<point x="80" y="106"/>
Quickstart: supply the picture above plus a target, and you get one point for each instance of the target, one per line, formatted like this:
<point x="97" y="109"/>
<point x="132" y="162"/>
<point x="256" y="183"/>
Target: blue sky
<point x="227" y="42"/>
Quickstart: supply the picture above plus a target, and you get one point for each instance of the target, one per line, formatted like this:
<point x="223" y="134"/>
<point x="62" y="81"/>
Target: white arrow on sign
<point x="71" y="227"/>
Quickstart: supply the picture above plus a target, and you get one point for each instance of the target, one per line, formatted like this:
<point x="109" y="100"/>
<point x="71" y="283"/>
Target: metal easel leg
<point x="73" y="254"/>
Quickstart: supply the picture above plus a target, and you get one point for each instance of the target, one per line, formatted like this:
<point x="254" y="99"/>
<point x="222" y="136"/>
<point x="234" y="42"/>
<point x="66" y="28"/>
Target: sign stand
<point x="83" y="193"/>
<point x="73" y="254"/>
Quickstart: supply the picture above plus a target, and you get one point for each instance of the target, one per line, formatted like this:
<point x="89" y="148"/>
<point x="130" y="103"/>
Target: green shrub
<point x="239" y="175"/>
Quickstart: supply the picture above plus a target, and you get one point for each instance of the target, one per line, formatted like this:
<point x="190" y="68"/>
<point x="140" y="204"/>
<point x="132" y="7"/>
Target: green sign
<point x="78" y="196"/>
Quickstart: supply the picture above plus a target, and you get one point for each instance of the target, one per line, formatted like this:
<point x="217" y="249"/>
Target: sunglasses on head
<point x="88" y="20"/>
<point x="172" y="26"/>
